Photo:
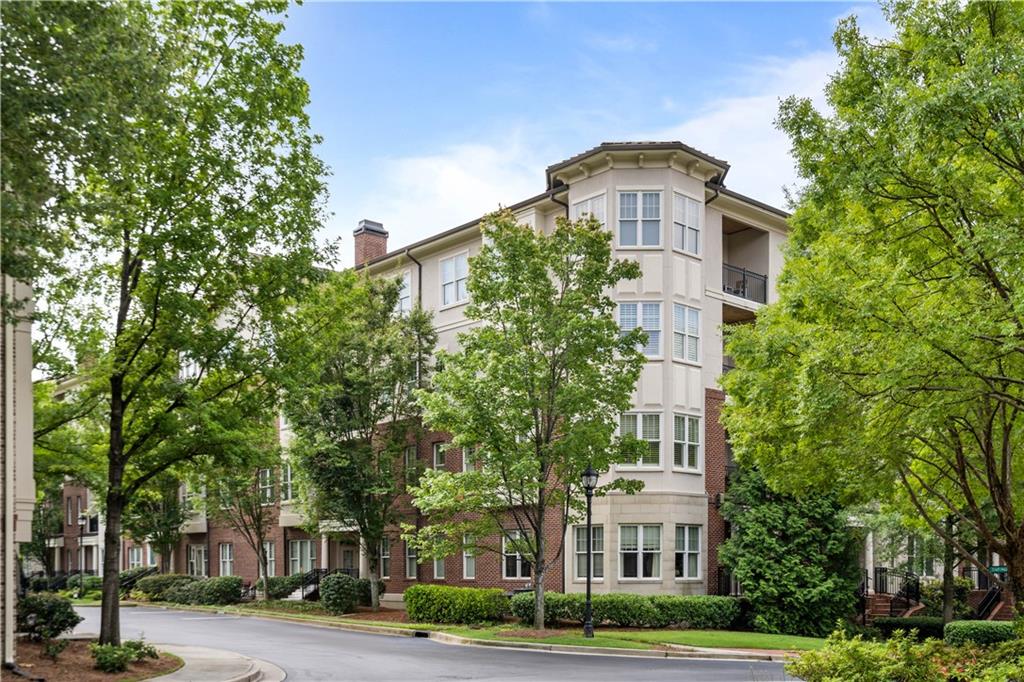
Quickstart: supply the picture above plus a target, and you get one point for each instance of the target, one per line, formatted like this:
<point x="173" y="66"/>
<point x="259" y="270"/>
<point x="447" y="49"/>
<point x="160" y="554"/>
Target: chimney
<point x="371" y="241"/>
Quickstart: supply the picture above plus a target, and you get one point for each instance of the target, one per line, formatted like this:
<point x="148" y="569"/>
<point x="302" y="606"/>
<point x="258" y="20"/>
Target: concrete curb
<point x="670" y="650"/>
<point x="212" y="665"/>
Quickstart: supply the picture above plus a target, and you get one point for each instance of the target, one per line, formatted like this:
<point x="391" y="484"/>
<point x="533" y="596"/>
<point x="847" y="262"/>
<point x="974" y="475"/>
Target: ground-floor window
<point x="687" y="551"/>
<point x="385" y="558"/>
<point x="152" y="555"/>
<point x="197" y="560"/>
<point x="134" y="556"/>
<point x="301" y="556"/>
<point x="439" y="569"/>
<point x="268" y="549"/>
<point x="410" y="562"/>
<point x="513" y="565"/>
<point x="227" y="558"/>
<point x="468" y="558"/>
<point x="640" y="551"/>
<point x="596" y="551"/>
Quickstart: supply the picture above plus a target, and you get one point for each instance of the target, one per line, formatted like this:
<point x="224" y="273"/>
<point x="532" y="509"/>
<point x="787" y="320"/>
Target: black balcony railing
<point x="741" y="282"/>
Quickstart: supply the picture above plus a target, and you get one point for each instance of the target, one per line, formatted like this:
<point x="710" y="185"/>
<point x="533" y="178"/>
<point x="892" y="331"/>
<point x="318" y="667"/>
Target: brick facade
<point x="370" y="240"/>
<point x="714" y="480"/>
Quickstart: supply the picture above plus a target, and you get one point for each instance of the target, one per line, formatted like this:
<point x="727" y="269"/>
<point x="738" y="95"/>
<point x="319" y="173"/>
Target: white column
<point x="869" y="559"/>
<point x="325" y="547"/>
<point x="364" y="561"/>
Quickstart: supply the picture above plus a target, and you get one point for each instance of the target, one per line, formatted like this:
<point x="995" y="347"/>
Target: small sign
<point x="997" y="570"/>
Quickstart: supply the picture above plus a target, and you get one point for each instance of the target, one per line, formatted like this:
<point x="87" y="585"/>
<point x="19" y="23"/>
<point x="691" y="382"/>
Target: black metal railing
<point x="741" y="282"/>
<point x="978" y="577"/>
<point x="989" y="602"/>
<point x="309" y="588"/>
<point x="727" y="587"/>
<point x="249" y="592"/>
<point x="862" y="595"/>
<point x="904" y="588"/>
<point x="129" y="582"/>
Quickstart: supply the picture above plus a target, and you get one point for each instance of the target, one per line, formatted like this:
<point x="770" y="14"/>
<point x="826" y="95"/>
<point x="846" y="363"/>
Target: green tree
<point x="156" y="515"/>
<point x="534" y="393"/>
<point x="894" y="358"/>
<point x="195" y="233"/>
<point x="356" y="361"/>
<point x="795" y="556"/>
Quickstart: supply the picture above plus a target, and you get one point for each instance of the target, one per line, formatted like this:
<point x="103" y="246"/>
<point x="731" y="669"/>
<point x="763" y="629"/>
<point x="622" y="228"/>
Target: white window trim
<point x="411" y="555"/>
<point x="661" y="443"/>
<point x="702" y="215"/>
<point x="700" y="443"/>
<point x="519" y="561"/>
<point x="287" y="483"/>
<point x="467" y="553"/>
<point x="589" y="198"/>
<point x="443" y="571"/>
<point x="640" y="544"/>
<point x="661" y="212"/>
<point x="405" y="276"/>
<point x="385" y="553"/>
<point x="268" y="500"/>
<point x="226" y="558"/>
<point x="268" y="547"/>
<point x="576" y="555"/>
<point x="700" y="551"/>
<point x="435" y="450"/>
<point x="639" y="303"/>
<point x="441" y="305"/>
<point x="700" y="341"/>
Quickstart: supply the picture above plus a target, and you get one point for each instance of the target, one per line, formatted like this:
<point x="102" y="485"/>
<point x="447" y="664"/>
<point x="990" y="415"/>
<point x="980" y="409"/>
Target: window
<point x="197" y="560"/>
<point x="468" y="457"/>
<point x="268" y="549"/>
<point x="646" y="316"/>
<point x="69" y="520"/>
<point x="641" y="209"/>
<point x="151" y="554"/>
<point x="645" y="426"/>
<point x="454" y="276"/>
<point x="685" y="333"/>
<point x="301" y="556"/>
<point x="640" y="551"/>
<point x="439" y="456"/>
<point x="687" y="551"/>
<point x="78" y="508"/>
<point x="686" y="224"/>
<point x="596" y="551"/>
<point x="411" y="473"/>
<point x="404" y="303"/>
<point x="134" y="556"/>
<point x="686" y="442"/>
<point x="468" y="558"/>
<point x="438" y="569"/>
<point x="410" y="562"/>
<point x="513" y="565"/>
<point x="227" y="558"/>
<point x="385" y="558"/>
<point x="286" y="482"/>
<point x="266" y="485"/>
<point x="594" y="206"/>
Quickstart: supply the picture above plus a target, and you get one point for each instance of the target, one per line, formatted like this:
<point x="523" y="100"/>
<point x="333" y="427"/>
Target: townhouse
<point x="709" y="257"/>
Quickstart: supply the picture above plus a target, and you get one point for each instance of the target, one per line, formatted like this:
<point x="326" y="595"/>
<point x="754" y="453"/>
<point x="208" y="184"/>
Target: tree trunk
<point x="948" y="587"/>
<point x="1015" y="576"/>
<point x="538" y="572"/>
<point x="110" y="615"/>
<point x="374" y="587"/>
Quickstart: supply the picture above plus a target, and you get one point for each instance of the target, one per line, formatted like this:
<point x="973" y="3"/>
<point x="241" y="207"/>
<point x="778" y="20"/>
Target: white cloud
<point x="422" y="195"/>
<point x="741" y="128"/>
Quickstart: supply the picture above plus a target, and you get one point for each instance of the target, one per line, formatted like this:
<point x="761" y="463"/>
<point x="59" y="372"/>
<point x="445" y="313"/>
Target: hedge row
<point x="926" y="626"/>
<point x="443" y="604"/>
<point x="978" y="632"/>
<point x="155" y="587"/>
<point x="279" y="587"/>
<point x="211" y="591"/>
<point x="633" y="610"/>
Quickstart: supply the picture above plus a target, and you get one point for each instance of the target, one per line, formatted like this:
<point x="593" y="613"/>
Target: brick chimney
<point x="371" y="241"/>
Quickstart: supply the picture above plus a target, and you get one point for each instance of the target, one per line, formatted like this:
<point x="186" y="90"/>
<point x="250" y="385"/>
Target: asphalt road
<point x="308" y="652"/>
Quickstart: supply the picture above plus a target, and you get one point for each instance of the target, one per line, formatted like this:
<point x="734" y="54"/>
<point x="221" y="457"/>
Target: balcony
<point x="744" y="283"/>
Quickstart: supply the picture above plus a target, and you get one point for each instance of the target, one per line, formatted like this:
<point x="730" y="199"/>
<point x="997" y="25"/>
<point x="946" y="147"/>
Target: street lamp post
<point x="82" y="520"/>
<point x="589" y="480"/>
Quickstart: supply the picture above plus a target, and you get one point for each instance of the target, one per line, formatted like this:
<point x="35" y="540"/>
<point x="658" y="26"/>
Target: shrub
<point x="186" y="592"/>
<point x="926" y="626"/>
<point x="111" y="658"/>
<point x="443" y="604"/>
<point x="899" y="659"/>
<point x="931" y="598"/>
<point x="698" y="611"/>
<point x="39" y="583"/>
<point x="339" y="593"/>
<point x="978" y="632"/>
<point x="154" y="587"/>
<point x="132" y="572"/>
<point x="624" y="610"/>
<point x="92" y="582"/>
<point x="55" y="647"/>
<point x="279" y="587"/>
<point x="226" y="589"/>
<point x="364" y="590"/>
<point x="46" y="616"/>
<point x="141" y="649"/>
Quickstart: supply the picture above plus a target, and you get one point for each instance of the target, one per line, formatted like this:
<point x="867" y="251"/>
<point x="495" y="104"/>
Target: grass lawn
<point x="723" y="639"/>
<point x="575" y="639"/>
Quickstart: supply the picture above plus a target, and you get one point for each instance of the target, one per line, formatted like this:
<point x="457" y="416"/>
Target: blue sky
<point x="433" y="114"/>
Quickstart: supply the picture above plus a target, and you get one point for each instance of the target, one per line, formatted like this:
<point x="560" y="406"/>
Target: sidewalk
<point x="217" y="665"/>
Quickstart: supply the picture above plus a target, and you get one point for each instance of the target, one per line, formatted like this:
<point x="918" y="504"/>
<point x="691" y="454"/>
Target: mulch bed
<point x="75" y="664"/>
<point x="390" y="615"/>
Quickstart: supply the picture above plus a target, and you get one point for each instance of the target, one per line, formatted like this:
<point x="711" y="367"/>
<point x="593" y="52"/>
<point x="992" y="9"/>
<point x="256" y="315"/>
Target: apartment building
<point x="709" y="258"/>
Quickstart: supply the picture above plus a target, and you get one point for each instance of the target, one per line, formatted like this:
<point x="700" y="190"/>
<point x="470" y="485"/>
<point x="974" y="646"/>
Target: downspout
<point x="419" y="277"/>
<point x="716" y="184"/>
<point x="564" y="528"/>
<point x="564" y="188"/>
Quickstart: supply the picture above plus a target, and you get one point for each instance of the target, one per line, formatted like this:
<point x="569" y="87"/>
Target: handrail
<point x="988" y="603"/>
<point x="744" y="283"/>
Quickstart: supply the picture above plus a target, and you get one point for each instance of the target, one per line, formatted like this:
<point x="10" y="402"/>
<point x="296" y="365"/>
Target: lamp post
<point x="82" y="520"/>
<point x="589" y="480"/>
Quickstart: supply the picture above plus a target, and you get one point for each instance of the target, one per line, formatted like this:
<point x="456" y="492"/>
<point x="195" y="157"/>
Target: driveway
<point x="308" y="652"/>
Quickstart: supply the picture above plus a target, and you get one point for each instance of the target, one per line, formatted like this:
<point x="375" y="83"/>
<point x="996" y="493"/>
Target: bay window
<point x="640" y="551"/>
